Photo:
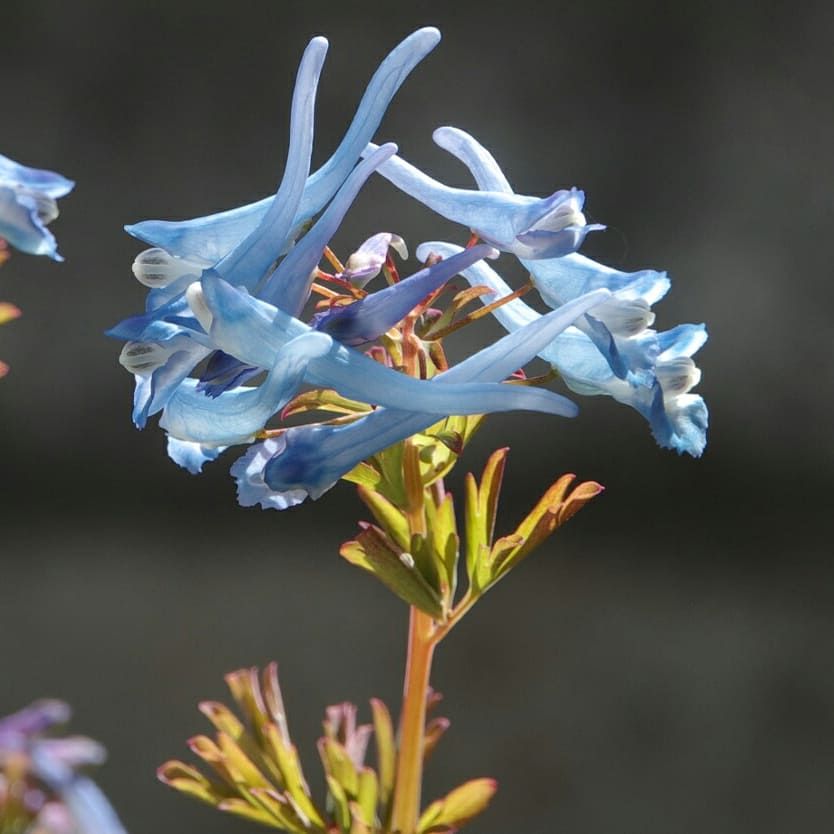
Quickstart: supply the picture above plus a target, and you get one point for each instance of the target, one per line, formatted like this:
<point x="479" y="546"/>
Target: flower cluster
<point x="230" y="304"/>
<point x="41" y="789"/>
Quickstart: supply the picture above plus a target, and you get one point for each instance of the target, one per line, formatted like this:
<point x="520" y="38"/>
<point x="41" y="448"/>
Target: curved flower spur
<point x="242" y="310"/>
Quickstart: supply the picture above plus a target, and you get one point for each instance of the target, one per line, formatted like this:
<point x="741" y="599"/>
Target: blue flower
<point x="208" y="239"/>
<point x="306" y="461"/>
<point x="660" y="393"/>
<point x="27" y="206"/>
<point x="261" y="335"/>
<point x="559" y="279"/>
<point x="529" y="227"/>
<point x="165" y="343"/>
<point x="59" y="799"/>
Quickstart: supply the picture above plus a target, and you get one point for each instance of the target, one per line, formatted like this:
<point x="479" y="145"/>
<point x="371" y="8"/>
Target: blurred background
<point x="665" y="664"/>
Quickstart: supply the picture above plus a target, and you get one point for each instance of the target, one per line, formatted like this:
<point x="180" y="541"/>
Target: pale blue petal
<point x="676" y="422"/>
<point x="211" y="238"/>
<point x="381" y="89"/>
<point x="289" y="285"/>
<point x="88" y="806"/>
<point x="151" y="326"/>
<point x="224" y="372"/>
<point x="308" y="460"/>
<point x="192" y="456"/>
<point x="683" y="340"/>
<point x="236" y="416"/>
<point x="252" y="490"/>
<point x="250" y="260"/>
<point x="365" y="320"/>
<point x="485" y="170"/>
<point x="21" y="226"/>
<point x="682" y="424"/>
<point x="560" y="279"/>
<point x="497" y="217"/>
<point x="47" y="182"/>
<point x="529" y="227"/>
<point x="254" y="332"/>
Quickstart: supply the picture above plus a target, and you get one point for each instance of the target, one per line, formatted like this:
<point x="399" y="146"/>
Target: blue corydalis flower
<point x="59" y="799"/>
<point x="243" y="244"/>
<point x="28" y="204"/>
<point x="208" y="239"/>
<point x="567" y="276"/>
<point x="293" y="353"/>
<point x="620" y="329"/>
<point x="529" y="227"/>
<point x="306" y="461"/>
<point x="661" y="394"/>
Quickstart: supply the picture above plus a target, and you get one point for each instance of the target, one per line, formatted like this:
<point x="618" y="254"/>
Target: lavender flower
<point x="41" y="788"/>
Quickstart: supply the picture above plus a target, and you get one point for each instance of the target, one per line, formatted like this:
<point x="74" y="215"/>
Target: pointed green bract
<point x="375" y="552"/>
<point x="385" y="752"/>
<point x="457" y="807"/>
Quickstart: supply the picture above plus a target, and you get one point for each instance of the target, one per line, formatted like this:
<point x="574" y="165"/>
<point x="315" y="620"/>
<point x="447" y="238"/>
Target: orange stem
<point x="409" y="781"/>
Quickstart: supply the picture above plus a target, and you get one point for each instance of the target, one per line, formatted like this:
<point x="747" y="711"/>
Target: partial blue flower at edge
<point x="28" y="204"/>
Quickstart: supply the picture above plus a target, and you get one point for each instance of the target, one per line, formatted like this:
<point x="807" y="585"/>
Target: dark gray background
<point x="663" y="666"/>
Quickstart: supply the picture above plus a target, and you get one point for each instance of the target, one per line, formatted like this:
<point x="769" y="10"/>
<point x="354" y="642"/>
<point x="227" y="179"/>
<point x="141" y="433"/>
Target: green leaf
<point x="387" y="516"/>
<point x="339" y="804"/>
<point x="189" y="780"/>
<point x="285" y="812"/>
<point x="296" y="786"/>
<point x="552" y="510"/>
<point x="376" y="553"/>
<point x="386" y="752"/>
<point x="364" y="474"/>
<point x="476" y="544"/>
<point x="366" y="797"/>
<point x="337" y="763"/>
<point x="242" y="808"/>
<point x="458" y="807"/>
<point x="490" y="490"/>
<point x="223" y="718"/>
<point x="442" y="528"/>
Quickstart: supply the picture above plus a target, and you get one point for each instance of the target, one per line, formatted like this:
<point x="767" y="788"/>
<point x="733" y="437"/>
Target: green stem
<point x="408" y="784"/>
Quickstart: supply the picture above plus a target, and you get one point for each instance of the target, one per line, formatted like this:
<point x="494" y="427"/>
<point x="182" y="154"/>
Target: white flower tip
<point x="677" y="376"/>
<point x="399" y="246"/>
<point x="625" y="317"/>
<point x="196" y="299"/>
<point x="142" y="358"/>
<point x="156" y="268"/>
